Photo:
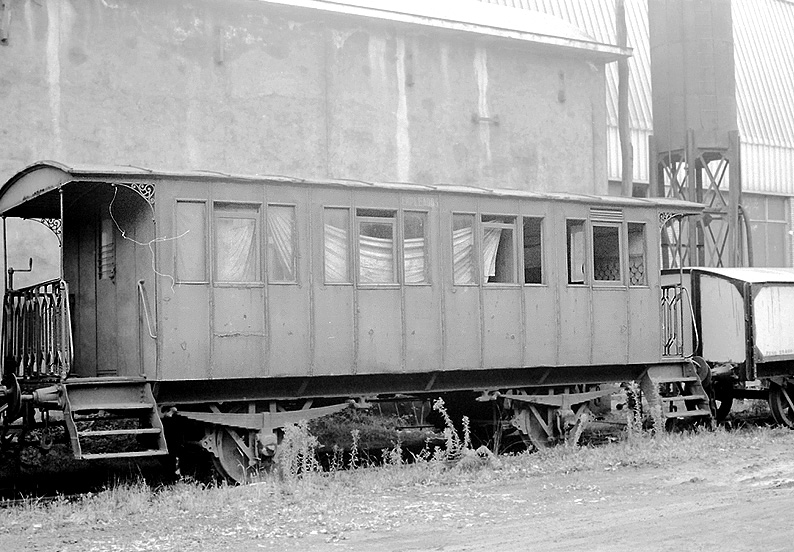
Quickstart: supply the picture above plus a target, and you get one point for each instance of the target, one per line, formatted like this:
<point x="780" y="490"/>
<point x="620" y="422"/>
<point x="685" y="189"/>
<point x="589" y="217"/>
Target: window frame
<point x="295" y="246"/>
<point x="522" y="271"/>
<point x="351" y="251"/>
<point x="620" y="226"/>
<point x="585" y="253"/>
<point x="205" y="239"/>
<point x="644" y="226"/>
<point x="395" y="219"/>
<point x="512" y="226"/>
<point x="428" y="281"/>
<point x="254" y="205"/>
<point x="475" y="248"/>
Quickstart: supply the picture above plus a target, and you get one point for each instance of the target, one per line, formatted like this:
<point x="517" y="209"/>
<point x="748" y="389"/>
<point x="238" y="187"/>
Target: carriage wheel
<point x="781" y="403"/>
<point x="724" y="405"/>
<point x="228" y="447"/>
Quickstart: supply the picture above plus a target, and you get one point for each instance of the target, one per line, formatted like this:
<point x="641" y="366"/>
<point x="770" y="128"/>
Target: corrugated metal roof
<point x="764" y="57"/>
<point x="764" y="44"/>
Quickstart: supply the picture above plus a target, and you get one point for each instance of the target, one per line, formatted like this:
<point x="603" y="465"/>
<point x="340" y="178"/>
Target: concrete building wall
<point x="244" y="86"/>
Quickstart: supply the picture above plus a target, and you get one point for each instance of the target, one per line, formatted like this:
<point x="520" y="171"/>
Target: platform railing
<point x="672" y="320"/>
<point x="37" y="330"/>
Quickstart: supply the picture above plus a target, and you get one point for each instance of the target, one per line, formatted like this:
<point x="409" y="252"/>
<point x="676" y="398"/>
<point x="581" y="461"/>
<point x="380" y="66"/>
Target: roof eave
<point x="596" y="50"/>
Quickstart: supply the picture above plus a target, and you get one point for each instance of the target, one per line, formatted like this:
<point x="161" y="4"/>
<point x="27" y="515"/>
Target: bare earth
<point x="743" y="500"/>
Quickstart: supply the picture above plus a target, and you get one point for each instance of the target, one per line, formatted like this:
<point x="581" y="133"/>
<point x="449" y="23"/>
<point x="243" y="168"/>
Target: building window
<point x="191" y="229"/>
<point x="281" y="250"/>
<point x="376" y="246"/>
<point x="533" y="250"/>
<point x="498" y="249"/>
<point x="606" y="253"/>
<point x="576" y="251"/>
<point x="236" y="228"/>
<point x="106" y="263"/>
<point x="463" y="267"/>
<point x="415" y="247"/>
<point x="637" y="254"/>
<point x="337" y="245"/>
<point x="769" y="229"/>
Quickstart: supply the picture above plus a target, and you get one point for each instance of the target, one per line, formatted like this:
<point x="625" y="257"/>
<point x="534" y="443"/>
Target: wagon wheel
<point x="781" y="403"/>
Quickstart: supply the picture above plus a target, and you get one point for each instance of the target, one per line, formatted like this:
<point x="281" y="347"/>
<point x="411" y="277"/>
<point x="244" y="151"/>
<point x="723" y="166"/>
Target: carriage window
<point x="606" y="253"/>
<point x="637" y="254"/>
<point x="576" y="252"/>
<point x="498" y="249"/>
<point x="415" y="247"/>
<point x="376" y="246"/>
<point x="463" y="268"/>
<point x="337" y="248"/>
<point x="281" y="258"/>
<point x="190" y="245"/>
<point x="107" y="250"/>
<point x="236" y="242"/>
<point x="533" y="251"/>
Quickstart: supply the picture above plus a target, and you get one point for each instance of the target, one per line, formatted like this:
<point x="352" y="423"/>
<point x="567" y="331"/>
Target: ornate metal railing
<point x="672" y="320"/>
<point x="37" y="330"/>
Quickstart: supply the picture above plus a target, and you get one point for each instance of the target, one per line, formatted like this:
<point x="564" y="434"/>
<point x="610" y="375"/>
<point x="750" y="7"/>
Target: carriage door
<point x="107" y="361"/>
<point x="610" y="314"/>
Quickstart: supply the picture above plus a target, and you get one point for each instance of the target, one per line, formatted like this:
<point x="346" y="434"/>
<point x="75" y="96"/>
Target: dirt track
<point x="741" y="500"/>
<point x="742" y="503"/>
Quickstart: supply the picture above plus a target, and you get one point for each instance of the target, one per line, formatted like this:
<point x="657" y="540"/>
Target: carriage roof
<point x="32" y="191"/>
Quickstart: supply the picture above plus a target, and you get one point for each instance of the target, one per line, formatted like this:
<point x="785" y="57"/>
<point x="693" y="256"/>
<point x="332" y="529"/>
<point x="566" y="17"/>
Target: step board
<point x="678" y="390"/>
<point x="112" y="418"/>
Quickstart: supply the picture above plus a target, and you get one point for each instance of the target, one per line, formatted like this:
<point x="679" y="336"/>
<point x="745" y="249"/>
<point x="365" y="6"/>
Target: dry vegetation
<point x="299" y="502"/>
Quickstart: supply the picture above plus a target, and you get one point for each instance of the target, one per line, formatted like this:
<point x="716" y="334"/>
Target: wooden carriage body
<point x="239" y="304"/>
<point x="191" y="278"/>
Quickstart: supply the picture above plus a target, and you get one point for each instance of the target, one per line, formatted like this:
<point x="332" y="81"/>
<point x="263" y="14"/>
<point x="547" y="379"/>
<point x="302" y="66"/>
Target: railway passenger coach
<point x="230" y="306"/>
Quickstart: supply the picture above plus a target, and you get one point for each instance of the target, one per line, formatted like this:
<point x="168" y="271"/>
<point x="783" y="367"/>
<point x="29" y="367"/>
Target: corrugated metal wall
<point x="764" y="50"/>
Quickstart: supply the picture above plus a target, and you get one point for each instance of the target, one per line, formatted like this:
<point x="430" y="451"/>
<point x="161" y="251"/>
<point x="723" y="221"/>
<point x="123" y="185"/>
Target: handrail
<point x="143" y="300"/>
<point x="37" y="330"/>
<point x="672" y="320"/>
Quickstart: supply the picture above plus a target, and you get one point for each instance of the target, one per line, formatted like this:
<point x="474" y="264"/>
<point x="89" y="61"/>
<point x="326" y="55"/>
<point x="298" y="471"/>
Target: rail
<point x="672" y="320"/>
<point x="37" y="330"/>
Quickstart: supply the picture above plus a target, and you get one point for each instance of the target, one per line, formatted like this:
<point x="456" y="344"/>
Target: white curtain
<point x="490" y="245"/>
<point x="414" y="253"/>
<point x="376" y="260"/>
<point x="280" y="227"/>
<point x="236" y="251"/>
<point x="463" y="256"/>
<point x="336" y="257"/>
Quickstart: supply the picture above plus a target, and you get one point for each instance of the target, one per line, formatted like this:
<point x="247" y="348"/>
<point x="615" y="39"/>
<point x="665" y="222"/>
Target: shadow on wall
<point x="31" y="240"/>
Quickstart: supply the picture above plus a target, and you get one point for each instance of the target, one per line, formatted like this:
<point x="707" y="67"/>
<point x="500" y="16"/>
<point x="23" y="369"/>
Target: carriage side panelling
<point x="541" y="282"/>
<point x="421" y="300"/>
<point x="575" y="301"/>
<point x="500" y="291"/>
<point x="334" y="294"/>
<point x="644" y="334"/>
<point x="183" y="324"/>
<point x="362" y="280"/>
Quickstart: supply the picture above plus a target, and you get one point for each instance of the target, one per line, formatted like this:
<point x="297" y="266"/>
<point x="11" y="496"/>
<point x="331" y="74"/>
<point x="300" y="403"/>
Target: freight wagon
<point x="738" y="325"/>
<point x="230" y="306"/>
